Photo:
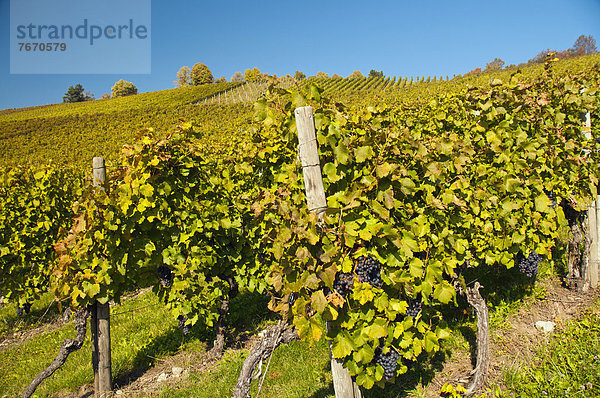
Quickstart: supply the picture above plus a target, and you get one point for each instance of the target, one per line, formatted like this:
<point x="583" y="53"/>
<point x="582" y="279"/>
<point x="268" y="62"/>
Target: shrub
<point x="123" y="88"/>
<point x="201" y="74"/>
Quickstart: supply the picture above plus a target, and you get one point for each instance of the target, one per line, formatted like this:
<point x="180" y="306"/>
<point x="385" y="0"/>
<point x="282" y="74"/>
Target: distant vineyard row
<point x="74" y="133"/>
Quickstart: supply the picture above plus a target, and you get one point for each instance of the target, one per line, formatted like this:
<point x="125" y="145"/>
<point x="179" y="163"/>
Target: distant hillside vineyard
<point x="73" y="133"/>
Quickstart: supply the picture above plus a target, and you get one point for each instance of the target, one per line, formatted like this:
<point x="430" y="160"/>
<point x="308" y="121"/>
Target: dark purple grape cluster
<point x="414" y="307"/>
<point x="388" y="361"/>
<point x="26" y="307"/>
<point x="368" y="270"/>
<point x="182" y="324"/>
<point x="165" y="275"/>
<point x="529" y="265"/>
<point x="343" y="283"/>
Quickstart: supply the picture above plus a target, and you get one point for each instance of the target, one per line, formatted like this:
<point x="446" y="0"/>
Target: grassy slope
<point x="144" y="336"/>
<point x="135" y="334"/>
<point x="74" y="133"/>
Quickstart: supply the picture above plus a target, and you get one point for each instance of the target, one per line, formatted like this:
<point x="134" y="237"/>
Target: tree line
<point x="584" y="45"/>
<point x="77" y="93"/>
<point x="200" y="73"/>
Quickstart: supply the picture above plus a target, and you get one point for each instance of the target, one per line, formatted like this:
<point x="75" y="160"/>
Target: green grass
<point x="306" y="375"/>
<point x="137" y="336"/>
<point x="142" y="330"/>
<point x="568" y="365"/>
<point x="42" y="311"/>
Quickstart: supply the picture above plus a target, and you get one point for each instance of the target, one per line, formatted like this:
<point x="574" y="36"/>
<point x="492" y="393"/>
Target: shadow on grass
<point x="248" y="311"/>
<point x="43" y="311"/>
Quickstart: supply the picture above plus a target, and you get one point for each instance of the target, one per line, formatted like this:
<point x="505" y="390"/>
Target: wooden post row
<point x="317" y="202"/>
<point x="100" y="319"/>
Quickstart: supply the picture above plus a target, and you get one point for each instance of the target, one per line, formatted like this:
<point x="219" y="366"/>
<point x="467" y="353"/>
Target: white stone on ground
<point x="545" y="326"/>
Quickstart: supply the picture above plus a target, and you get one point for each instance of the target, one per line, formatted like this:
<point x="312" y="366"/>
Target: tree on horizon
<point x="201" y="74"/>
<point x="77" y="94"/>
<point x="237" y="77"/>
<point x="184" y="77"/>
<point x="496" y="64"/>
<point x="374" y="73"/>
<point x="252" y="75"/>
<point x="123" y="88"/>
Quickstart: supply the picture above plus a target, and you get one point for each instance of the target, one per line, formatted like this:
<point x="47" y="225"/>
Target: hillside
<point x="74" y="133"/>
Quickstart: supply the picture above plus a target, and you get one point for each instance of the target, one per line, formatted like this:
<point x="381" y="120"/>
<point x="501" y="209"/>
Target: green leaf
<point x="365" y="380"/>
<point x="147" y="190"/>
<point x="149" y="248"/>
<point x="430" y="342"/>
<point x="444" y="293"/>
<point x="377" y="329"/>
<point x="342" y="155"/>
<point x="383" y="170"/>
<point x="318" y="301"/>
<point x="330" y="172"/>
<point x="543" y="203"/>
<point x="511" y="184"/>
<point x="342" y="345"/>
<point x="363" y="153"/>
<point x="408" y="186"/>
<point x="364" y="355"/>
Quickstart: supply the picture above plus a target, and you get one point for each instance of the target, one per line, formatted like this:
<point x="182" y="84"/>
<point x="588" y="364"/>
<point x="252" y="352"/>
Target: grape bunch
<point x="182" y="324"/>
<point x="368" y="270"/>
<point x="388" y="361"/>
<point x="414" y="308"/>
<point x="165" y="275"/>
<point x="26" y="307"/>
<point x="343" y="283"/>
<point x="529" y="265"/>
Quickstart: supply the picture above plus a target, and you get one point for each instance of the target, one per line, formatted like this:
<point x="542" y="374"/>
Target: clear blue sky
<point x="400" y="38"/>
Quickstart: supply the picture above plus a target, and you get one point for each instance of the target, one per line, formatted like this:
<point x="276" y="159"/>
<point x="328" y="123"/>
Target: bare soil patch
<point x="515" y="343"/>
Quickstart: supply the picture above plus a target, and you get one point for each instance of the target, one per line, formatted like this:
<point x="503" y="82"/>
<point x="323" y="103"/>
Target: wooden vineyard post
<point x="317" y="202"/>
<point x="590" y="274"/>
<point x="595" y="269"/>
<point x="100" y="319"/>
<point x="591" y="277"/>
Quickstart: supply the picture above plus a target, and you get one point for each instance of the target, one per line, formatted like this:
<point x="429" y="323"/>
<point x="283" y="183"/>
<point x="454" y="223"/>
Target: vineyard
<point x="437" y="196"/>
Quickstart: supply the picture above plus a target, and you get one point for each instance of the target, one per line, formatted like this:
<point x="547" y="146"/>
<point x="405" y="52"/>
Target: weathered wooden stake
<point x="100" y="320"/>
<point x="595" y="270"/>
<point x="474" y="298"/>
<point x="317" y="202"/>
<point x="591" y="272"/>
<point x="309" y="156"/>
<point x="594" y="263"/>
